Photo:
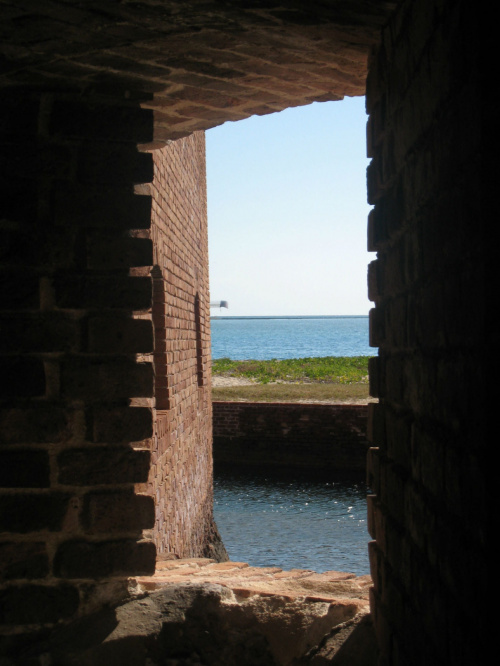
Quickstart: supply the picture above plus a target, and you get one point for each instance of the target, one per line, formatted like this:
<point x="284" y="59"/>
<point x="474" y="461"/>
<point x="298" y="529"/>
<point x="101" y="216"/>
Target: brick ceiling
<point x="196" y="63"/>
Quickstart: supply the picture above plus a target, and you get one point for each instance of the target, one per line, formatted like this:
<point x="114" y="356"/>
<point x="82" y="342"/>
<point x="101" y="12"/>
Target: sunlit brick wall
<point x="181" y="471"/>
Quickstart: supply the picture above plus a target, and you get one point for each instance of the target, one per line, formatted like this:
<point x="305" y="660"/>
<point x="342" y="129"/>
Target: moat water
<point x="292" y="522"/>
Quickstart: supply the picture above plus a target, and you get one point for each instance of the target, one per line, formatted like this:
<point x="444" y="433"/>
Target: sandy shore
<point x="217" y="380"/>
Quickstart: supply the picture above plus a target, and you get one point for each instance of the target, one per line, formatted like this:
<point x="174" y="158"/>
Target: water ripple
<point x="294" y="523"/>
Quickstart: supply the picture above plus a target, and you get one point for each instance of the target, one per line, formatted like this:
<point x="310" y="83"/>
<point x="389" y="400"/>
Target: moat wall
<point x="277" y="436"/>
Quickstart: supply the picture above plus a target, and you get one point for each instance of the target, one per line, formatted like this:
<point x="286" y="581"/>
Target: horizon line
<point x="348" y="316"/>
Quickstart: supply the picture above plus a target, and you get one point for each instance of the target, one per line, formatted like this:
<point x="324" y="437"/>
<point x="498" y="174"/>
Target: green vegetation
<point x="328" y="379"/>
<point x="292" y="392"/>
<point x="331" y="369"/>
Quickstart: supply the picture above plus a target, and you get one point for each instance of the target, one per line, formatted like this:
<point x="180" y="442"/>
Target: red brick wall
<point x="180" y="478"/>
<point x="328" y="438"/>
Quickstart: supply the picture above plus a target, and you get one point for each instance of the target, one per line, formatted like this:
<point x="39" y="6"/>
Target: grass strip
<point x="292" y="392"/>
<point x="325" y="369"/>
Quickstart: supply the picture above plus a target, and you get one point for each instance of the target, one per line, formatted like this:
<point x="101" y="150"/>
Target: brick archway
<point x="195" y="64"/>
<point x="87" y="91"/>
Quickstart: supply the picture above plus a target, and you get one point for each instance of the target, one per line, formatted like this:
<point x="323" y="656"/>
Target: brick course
<point x="321" y="438"/>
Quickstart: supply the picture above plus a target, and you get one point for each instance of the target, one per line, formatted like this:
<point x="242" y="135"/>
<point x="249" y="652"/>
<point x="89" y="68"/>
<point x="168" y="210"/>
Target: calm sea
<point x="260" y="338"/>
<point x="292" y="522"/>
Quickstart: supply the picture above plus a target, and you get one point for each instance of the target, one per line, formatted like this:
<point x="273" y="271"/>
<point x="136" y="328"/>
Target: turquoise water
<point x="263" y="338"/>
<point x="293" y="522"/>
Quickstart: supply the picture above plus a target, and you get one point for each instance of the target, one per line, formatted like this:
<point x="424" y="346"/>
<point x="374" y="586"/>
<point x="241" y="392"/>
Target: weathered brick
<point x="374" y="372"/>
<point x="108" y="252"/>
<point x="103" y="466"/>
<point x="373" y="281"/>
<point x="182" y="346"/>
<point x="114" y="164"/>
<point x="120" y="335"/>
<point x="39" y="332"/>
<point x="26" y="468"/>
<point x="105" y="378"/>
<point x="119" y="424"/>
<point x="377" y="329"/>
<point x="394" y="490"/>
<point x="32" y="159"/>
<point x="162" y="397"/>
<point x="23" y="513"/>
<point x="40" y="247"/>
<point x="370" y="511"/>
<point x="70" y="118"/>
<point x="22" y="376"/>
<point x="278" y="435"/>
<point x="104" y="559"/>
<point x="374" y="181"/>
<point x="41" y="424"/>
<point x="376" y="424"/>
<point x="373" y="469"/>
<point x="114" y="292"/>
<point x="37" y="604"/>
<point x="109" y="512"/>
<point x="101" y="207"/>
<point x="23" y="559"/>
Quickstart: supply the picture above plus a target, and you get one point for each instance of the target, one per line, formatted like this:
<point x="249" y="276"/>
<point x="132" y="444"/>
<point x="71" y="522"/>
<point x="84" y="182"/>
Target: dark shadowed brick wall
<point x="428" y="511"/>
<point x="75" y="414"/>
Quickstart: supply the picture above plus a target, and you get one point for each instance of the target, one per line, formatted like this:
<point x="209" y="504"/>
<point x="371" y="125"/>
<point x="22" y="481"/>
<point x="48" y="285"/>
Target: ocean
<point x="261" y="338"/>
<point x="292" y="522"/>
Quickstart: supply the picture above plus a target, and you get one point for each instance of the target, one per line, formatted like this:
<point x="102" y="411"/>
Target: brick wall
<point x="427" y="465"/>
<point x="196" y="64"/>
<point x="180" y="478"/>
<point x="105" y="412"/>
<point x="75" y="412"/>
<point x="320" y="438"/>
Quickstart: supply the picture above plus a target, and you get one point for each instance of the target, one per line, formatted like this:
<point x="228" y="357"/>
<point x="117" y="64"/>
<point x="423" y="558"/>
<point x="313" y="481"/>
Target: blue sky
<point x="287" y="212"/>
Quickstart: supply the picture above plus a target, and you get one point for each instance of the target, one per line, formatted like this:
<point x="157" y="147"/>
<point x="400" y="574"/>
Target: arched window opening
<point x="287" y="233"/>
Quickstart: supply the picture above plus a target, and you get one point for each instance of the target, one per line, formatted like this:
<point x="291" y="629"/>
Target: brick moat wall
<point x="321" y="438"/>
